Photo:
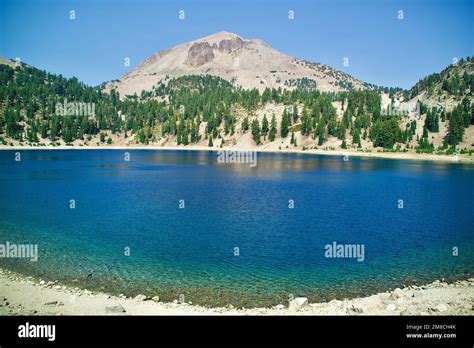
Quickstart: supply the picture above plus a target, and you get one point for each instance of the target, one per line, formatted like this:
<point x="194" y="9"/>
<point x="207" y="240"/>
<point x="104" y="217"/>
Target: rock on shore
<point x="27" y="296"/>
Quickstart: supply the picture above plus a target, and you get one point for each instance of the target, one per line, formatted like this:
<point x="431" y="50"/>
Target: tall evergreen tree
<point x="321" y="132"/>
<point x="356" y="138"/>
<point x="245" y="124"/>
<point x="455" y="132"/>
<point x="265" y="128"/>
<point x="285" y="123"/>
<point x="256" y="131"/>
<point x="273" y="129"/>
<point x="306" y="125"/>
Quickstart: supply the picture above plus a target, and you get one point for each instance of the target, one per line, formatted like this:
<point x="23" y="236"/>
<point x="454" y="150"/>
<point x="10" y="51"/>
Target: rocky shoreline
<point x="22" y="295"/>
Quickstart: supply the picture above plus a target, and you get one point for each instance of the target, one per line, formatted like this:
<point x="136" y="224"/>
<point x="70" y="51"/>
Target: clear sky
<point x="381" y="48"/>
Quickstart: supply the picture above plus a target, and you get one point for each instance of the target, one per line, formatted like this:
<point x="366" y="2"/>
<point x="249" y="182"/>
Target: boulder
<point x="441" y="307"/>
<point x="140" y="298"/>
<point x="279" y="306"/>
<point x="397" y="293"/>
<point x="298" y="303"/>
<point x="114" y="307"/>
<point x="156" y="298"/>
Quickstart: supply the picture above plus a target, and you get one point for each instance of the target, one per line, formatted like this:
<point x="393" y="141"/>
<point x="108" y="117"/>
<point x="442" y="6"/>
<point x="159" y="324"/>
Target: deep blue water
<point x="190" y="251"/>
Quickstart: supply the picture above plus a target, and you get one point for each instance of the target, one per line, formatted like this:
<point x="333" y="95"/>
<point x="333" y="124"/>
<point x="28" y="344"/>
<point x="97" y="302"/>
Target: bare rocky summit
<point x="247" y="63"/>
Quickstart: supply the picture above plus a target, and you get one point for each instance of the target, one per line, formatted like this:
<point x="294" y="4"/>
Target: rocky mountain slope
<point x="247" y="63"/>
<point x="442" y="91"/>
<point x="186" y="103"/>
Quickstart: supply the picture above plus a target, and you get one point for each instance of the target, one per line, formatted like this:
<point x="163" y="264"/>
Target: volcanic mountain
<point x="246" y="63"/>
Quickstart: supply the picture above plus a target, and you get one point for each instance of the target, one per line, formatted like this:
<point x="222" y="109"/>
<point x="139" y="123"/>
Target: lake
<point x="173" y="223"/>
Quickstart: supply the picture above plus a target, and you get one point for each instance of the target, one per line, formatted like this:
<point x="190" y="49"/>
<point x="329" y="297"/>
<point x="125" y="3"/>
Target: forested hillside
<point x="212" y="111"/>
<point x="456" y="80"/>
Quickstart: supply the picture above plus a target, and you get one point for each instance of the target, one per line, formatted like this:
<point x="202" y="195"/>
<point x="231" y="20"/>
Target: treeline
<point x="178" y="107"/>
<point x="461" y="117"/>
<point x="29" y="98"/>
<point x="452" y="81"/>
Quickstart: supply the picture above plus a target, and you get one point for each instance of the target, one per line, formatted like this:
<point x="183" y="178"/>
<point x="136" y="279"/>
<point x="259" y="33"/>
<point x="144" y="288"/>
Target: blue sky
<point x="381" y="48"/>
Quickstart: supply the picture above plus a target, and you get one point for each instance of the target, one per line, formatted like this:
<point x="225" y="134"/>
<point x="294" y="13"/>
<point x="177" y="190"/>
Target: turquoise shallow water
<point x="190" y="251"/>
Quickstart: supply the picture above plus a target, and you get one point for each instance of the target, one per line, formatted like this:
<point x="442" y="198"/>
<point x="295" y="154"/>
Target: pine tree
<point x="273" y="128"/>
<point x="141" y="136"/>
<point x="256" y="131"/>
<point x="185" y="136"/>
<point x="44" y="129"/>
<point x="210" y="143"/>
<point x="285" y="123"/>
<point x="320" y="132"/>
<point x="295" y="114"/>
<point x="245" y="125"/>
<point x="455" y="132"/>
<point x="193" y="132"/>
<point x="264" y="127"/>
<point x="386" y="133"/>
<point x="356" y="137"/>
<point x="306" y="123"/>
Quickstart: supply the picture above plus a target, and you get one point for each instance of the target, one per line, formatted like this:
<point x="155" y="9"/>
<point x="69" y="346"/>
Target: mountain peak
<point x="221" y="35"/>
<point x="248" y="63"/>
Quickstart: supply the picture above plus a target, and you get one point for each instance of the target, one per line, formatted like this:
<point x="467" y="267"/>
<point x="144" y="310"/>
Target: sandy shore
<point x="340" y="153"/>
<point x="21" y="295"/>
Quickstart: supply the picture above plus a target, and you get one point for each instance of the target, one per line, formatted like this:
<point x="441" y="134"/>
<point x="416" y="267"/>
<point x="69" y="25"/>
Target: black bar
<point x="223" y="330"/>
